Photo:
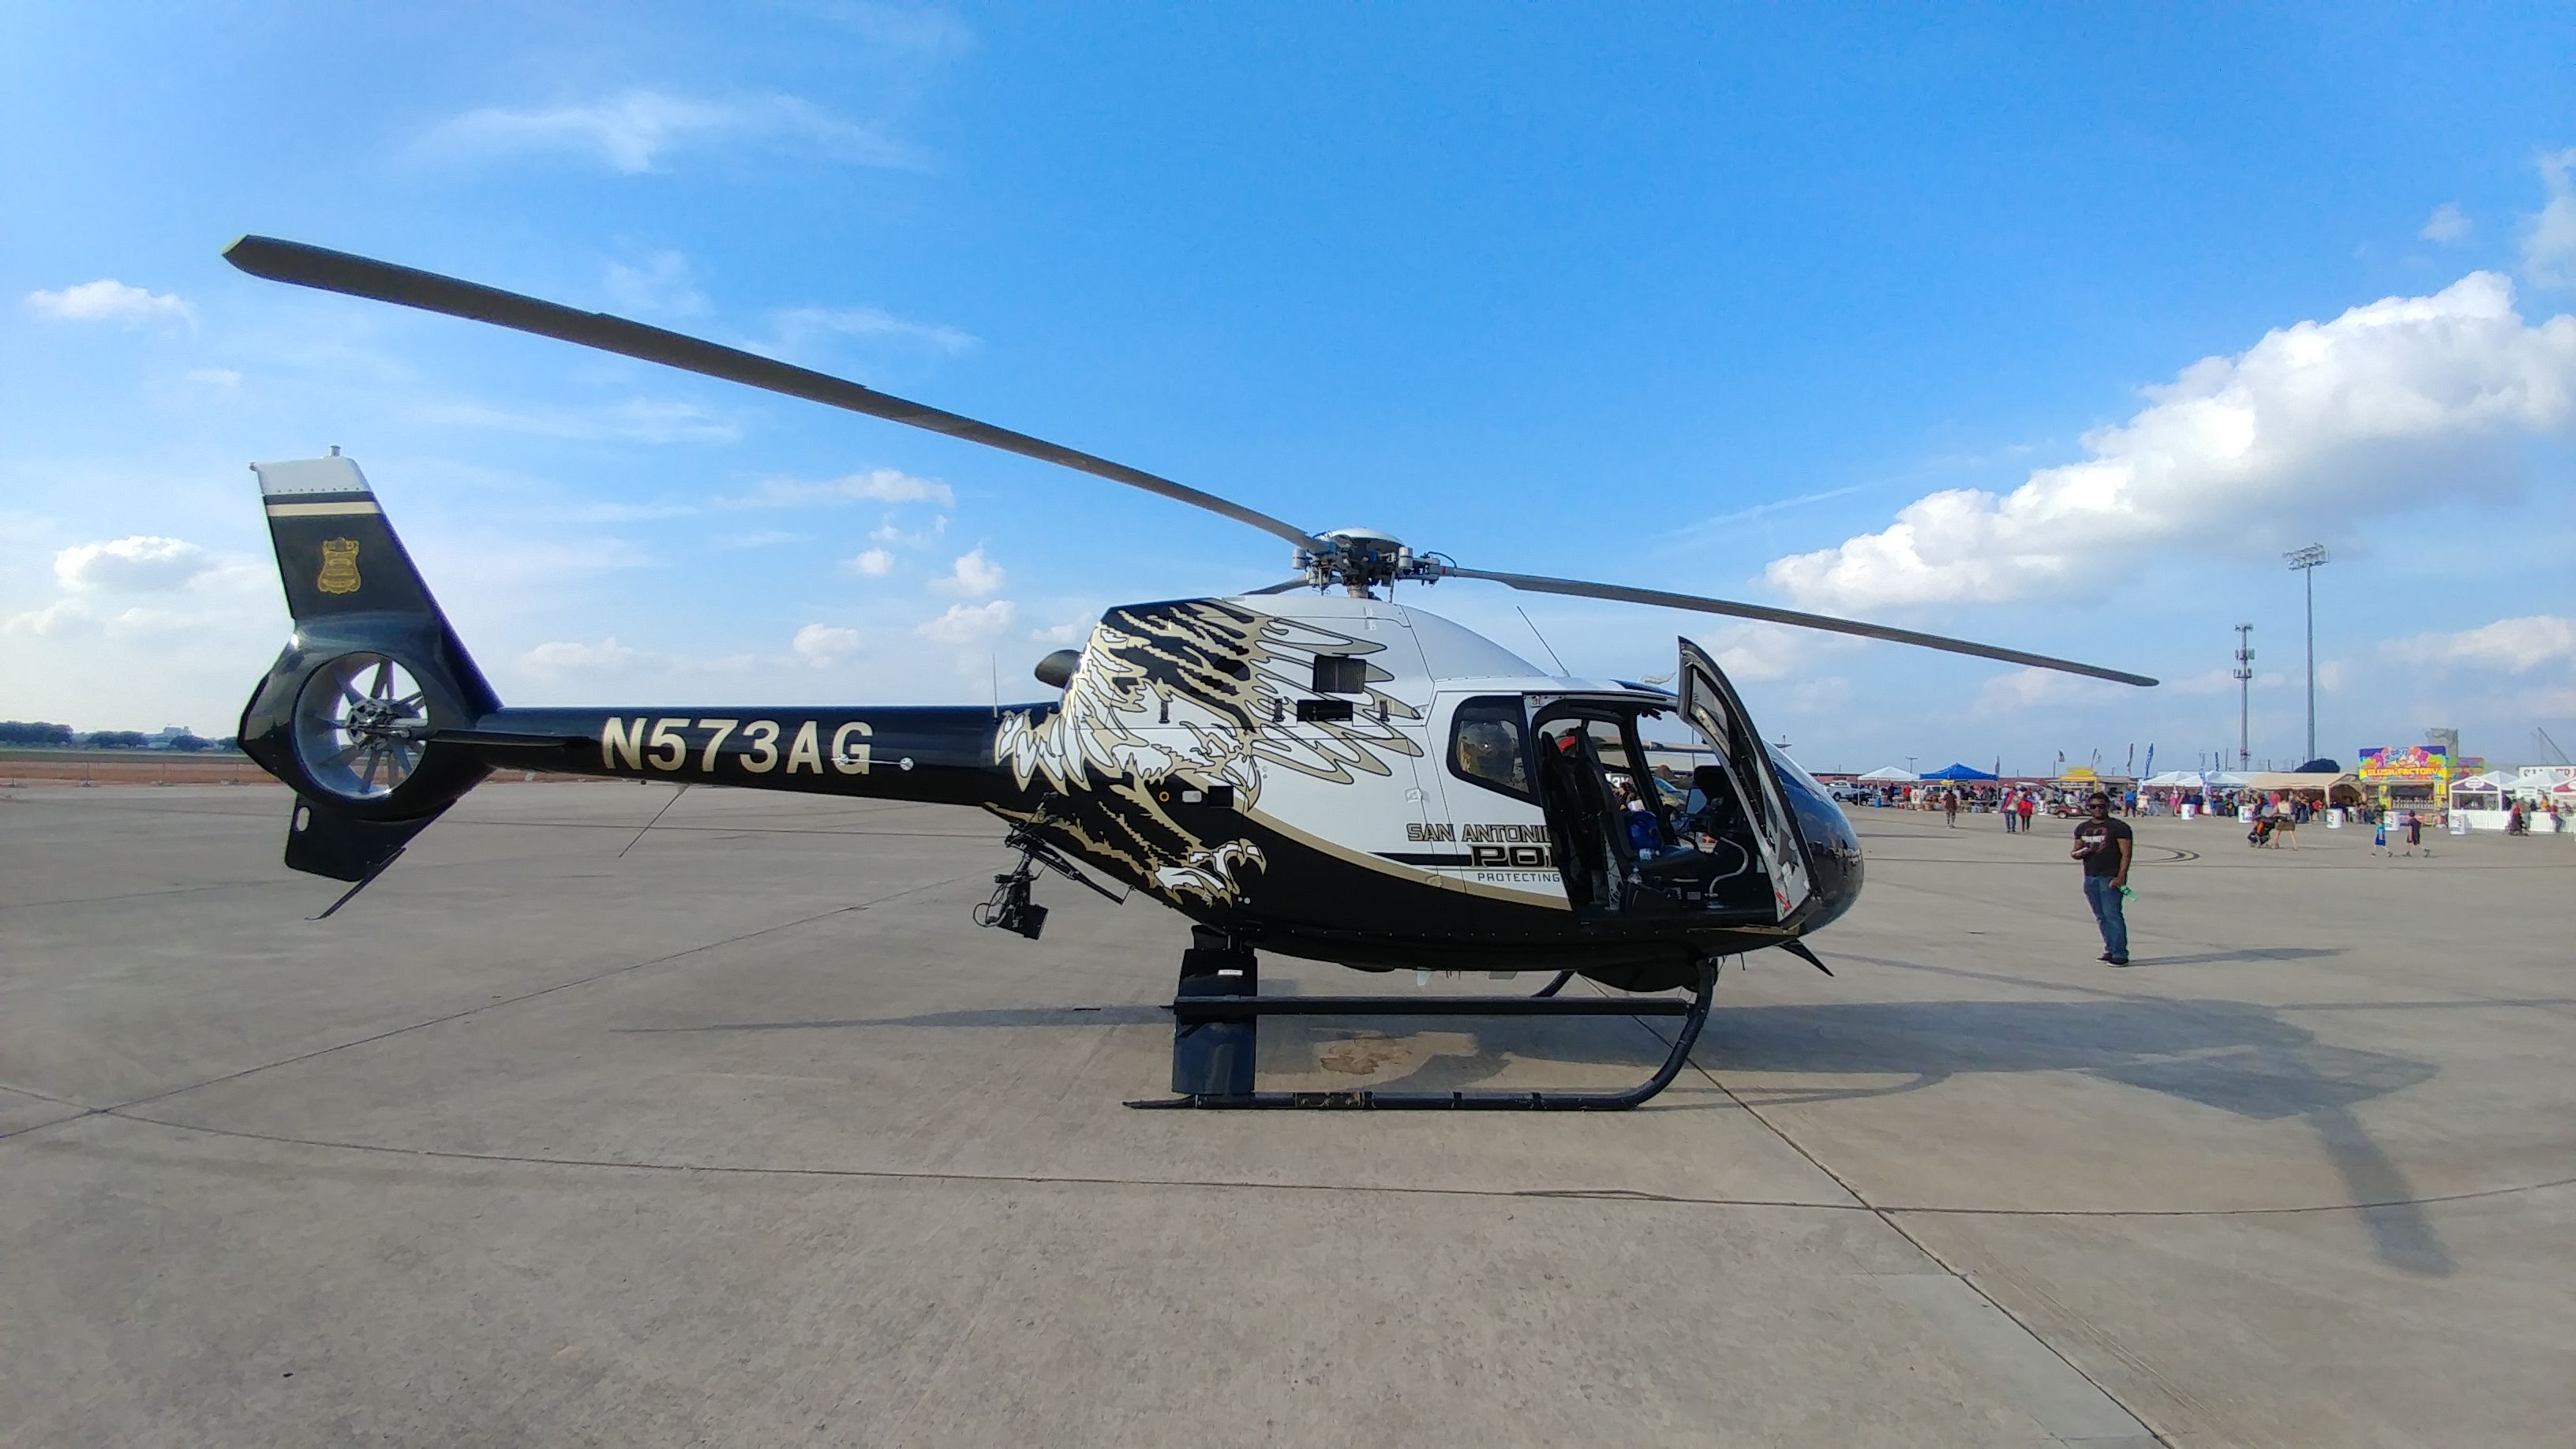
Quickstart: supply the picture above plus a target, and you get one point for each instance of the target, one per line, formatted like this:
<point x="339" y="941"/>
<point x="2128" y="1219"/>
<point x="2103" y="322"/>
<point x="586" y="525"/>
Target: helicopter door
<point x="1711" y="704"/>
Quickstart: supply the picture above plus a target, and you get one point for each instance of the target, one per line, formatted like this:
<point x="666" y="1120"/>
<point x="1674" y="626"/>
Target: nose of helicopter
<point x="1833" y="847"/>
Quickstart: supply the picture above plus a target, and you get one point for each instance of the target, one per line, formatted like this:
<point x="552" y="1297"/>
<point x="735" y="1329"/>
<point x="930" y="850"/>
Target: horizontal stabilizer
<point x="326" y="842"/>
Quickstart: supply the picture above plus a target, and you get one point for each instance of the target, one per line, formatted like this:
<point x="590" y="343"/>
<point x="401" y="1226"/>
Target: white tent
<point x="2480" y="799"/>
<point x="1889" y="775"/>
<point x="2227" y="780"/>
<point x="2172" y="780"/>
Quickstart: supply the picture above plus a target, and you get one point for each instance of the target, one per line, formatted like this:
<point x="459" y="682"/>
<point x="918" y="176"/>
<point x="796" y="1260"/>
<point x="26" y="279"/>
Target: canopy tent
<point x="2344" y="789"/>
<point x="2481" y="792"/>
<point x="1888" y="775"/>
<point x="2172" y="780"/>
<point x="2226" y="780"/>
<point x="1959" y="772"/>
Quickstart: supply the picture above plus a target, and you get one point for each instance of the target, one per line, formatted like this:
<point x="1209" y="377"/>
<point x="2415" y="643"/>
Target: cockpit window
<point x="1485" y="745"/>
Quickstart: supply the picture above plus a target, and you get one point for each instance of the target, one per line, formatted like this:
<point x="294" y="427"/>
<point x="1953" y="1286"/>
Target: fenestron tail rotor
<point x="1356" y="559"/>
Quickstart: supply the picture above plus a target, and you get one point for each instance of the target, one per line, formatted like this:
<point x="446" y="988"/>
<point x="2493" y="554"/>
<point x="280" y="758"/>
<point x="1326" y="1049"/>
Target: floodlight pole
<point x="2244" y="673"/>
<point x="2306" y="561"/>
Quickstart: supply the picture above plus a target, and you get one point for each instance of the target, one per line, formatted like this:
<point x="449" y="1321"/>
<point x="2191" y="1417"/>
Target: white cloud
<point x="1065" y="635"/>
<point x="622" y="512"/>
<point x="823" y="645"/>
<point x="2025" y="690"/>
<point x="638" y="131"/>
<point x="889" y="532"/>
<point x="2515" y="645"/>
<point x="2549" y="238"/>
<point x="801" y="325"/>
<point x="884" y="485"/>
<point x="2222" y="680"/>
<point x="926" y="29"/>
<point x="876" y="563"/>
<point x="642" y="420"/>
<point x="108" y="300"/>
<point x="2327" y="420"/>
<point x="214" y="377"/>
<point x="544" y="559"/>
<point x="1816" y="696"/>
<point x="137" y="563"/>
<point x="1769" y="651"/>
<point x="973" y="577"/>
<point x="1710" y="527"/>
<point x="969" y="623"/>
<point x="2447" y="224"/>
<point x="61" y="617"/>
<point x="576" y="657"/>
<point x="658" y="285"/>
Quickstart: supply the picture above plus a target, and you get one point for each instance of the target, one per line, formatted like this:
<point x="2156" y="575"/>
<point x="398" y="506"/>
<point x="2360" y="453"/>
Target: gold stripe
<point x="319" y="510"/>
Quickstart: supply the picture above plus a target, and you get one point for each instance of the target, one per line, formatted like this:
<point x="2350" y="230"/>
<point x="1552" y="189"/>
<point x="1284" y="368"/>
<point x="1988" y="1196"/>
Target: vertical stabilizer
<point x="337" y="555"/>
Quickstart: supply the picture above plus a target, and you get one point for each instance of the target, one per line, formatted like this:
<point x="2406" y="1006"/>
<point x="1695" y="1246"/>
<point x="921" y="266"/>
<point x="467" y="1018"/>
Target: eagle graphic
<point x="1187" y="696"/>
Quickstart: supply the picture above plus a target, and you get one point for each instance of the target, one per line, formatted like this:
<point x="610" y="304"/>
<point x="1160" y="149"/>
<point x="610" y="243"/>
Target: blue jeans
<point x="2105" y="898"/>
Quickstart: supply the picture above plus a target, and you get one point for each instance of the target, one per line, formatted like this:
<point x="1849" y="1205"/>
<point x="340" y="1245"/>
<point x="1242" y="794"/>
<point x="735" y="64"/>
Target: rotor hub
<point x="1362" y="559"/>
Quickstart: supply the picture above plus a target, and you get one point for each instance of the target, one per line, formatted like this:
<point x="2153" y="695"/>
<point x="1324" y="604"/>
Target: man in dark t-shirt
<point x="2104" y="845"/>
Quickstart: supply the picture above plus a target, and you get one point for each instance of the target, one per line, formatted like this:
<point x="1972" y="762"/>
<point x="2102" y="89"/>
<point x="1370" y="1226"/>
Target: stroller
<point x="2261" y="834"/>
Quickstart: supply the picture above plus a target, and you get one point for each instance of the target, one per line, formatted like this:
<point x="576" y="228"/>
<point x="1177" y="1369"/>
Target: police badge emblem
<point x="339" y="566"/>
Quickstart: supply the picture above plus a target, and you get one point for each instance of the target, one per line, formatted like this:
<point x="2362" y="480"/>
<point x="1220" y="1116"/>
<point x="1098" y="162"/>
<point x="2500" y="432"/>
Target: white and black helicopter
<point x="1309" y="768"/>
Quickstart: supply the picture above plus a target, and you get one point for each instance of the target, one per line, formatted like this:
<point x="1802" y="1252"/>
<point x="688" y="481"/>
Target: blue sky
<point x="2054" y="330"/>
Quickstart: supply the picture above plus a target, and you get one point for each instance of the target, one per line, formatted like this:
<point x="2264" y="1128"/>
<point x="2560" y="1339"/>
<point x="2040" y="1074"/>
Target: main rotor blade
<point x="1281" y="587"/>
<point x="356" y="276"/>
<point x="1538" y="585"/>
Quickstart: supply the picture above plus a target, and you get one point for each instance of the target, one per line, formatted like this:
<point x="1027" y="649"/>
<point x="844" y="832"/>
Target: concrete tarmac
<point x="746" y="1136"/>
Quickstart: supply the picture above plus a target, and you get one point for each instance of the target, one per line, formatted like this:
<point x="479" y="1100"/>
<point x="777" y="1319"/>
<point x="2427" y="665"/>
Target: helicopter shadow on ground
<point x="2229" y="1056"/>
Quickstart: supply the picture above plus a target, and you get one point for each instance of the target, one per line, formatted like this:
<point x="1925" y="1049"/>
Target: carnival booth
<point x="1977" y="789"/>
<point x="2483" y="802"/>
<point x="2547" y="793"/>
<point x="2080" y="783"/>
<point x="2490" y="801"/>
<point x="2407" y="777"/>
<point x="1887" y="784"/>
<point x="2317" y="788"/>
<point x="2326" y="795"/>
<point x="2220" y="790"/>
<point x="2174" y="792"/>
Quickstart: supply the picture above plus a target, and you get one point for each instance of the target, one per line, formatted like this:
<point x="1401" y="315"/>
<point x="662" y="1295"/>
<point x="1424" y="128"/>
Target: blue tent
<point x="1958" y="772"/>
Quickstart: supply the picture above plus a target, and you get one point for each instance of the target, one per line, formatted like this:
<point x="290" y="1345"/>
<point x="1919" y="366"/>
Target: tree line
<point x="41" y="732"/>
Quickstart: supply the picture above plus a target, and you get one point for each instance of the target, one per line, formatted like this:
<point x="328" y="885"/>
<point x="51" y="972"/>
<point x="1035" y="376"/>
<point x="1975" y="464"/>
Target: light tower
<point x="2244" y="672"/>
<point x="2306" y="560"/>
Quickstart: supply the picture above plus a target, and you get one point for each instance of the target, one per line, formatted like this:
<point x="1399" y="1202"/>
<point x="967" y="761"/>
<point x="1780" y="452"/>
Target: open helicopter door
<point x="1711" y="704"/>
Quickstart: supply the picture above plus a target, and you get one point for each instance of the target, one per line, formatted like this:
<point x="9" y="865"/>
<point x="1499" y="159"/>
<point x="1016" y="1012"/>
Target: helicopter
<point x="1309" y="768"/>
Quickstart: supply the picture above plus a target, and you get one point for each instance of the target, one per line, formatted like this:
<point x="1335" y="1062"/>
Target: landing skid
<point x="1215" y="1027"/>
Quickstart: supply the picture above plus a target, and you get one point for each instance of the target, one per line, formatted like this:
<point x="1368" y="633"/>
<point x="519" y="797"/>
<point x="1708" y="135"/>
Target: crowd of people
<point x="2274" y="816"/>
<point x="2018" y="805"/>
<point x="2104" y="842"/>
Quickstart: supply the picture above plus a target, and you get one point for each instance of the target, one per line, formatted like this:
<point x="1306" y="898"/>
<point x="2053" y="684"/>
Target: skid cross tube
<point x="1209" y="1009"/>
